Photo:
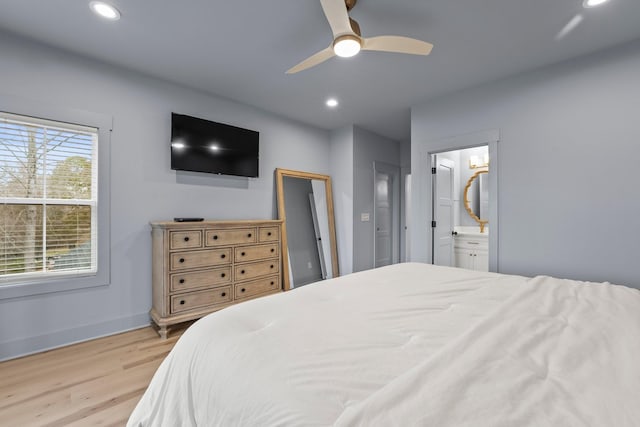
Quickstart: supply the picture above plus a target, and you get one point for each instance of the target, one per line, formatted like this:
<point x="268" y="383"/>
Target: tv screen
<point x="200" y="145"/>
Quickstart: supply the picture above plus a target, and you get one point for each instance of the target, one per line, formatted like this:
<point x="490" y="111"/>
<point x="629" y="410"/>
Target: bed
<point x="409" y="344"/>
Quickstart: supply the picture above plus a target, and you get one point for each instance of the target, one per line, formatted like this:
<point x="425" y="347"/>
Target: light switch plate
<point x="364" y="217"/>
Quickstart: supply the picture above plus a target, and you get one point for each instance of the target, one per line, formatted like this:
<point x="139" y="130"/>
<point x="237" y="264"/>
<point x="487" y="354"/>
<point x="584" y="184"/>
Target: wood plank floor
<point x="97" y="382"/>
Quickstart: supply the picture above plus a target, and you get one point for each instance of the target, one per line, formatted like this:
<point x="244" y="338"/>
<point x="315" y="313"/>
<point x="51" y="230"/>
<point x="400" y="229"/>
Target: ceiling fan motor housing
<point x="355" y="26"/>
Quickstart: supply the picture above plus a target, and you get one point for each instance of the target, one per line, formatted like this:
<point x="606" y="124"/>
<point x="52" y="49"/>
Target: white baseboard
<point x="25" y="346"/>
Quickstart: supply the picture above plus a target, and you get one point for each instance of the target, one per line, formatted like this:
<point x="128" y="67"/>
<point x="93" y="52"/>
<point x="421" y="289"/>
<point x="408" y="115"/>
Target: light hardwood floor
<point x="97" y="382"/>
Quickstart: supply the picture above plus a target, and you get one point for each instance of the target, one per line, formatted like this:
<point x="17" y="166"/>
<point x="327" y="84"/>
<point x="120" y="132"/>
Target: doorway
<point x="386" y="214"/>
<point x="460" y="201"/>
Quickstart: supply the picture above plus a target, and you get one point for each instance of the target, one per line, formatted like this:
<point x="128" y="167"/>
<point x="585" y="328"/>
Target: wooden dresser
<point x="201" y="267"/>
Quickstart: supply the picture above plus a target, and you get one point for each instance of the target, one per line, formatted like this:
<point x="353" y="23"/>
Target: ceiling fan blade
<point x="336" y="13"/>
<point x="397" y="44"/>
<point x="313" y="60"/>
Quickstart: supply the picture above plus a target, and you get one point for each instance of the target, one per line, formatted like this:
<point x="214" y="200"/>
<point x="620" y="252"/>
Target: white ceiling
<point x="241" y="49"/>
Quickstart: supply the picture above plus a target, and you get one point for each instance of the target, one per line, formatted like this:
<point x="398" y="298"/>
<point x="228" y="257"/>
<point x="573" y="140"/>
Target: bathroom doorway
<point x="460" y="208"/>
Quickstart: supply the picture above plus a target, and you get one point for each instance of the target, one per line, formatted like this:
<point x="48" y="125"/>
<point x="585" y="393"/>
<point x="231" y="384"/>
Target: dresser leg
<point x="163" y="331"/>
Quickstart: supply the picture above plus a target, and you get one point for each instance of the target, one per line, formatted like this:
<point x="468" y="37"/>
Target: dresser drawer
<point x="256" y="287"/>
<point x="255" y="269"/>
<point x="200" y="299"/>
<point x="233" y="236"/>
<point x="194" y="259"/>
<point x="471" y="243"/>
<point x="199" y="279"/>
<point x="269" y="234"/>
<point x="185" y="239"/>
<point x="253" y="253"/>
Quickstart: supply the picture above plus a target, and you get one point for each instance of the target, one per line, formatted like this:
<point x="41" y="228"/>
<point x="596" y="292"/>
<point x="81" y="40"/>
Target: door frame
<point x="393" y="171"/>
<point x="421" y="153"/>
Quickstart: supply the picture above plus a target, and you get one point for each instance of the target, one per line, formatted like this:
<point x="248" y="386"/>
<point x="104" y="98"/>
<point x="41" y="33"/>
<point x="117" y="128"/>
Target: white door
<point x="443" y="212"/>
<point x="407" y="217"/>
<point x="384" y="219"/>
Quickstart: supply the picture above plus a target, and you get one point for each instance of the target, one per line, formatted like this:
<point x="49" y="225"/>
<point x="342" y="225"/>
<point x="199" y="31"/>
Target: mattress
<point x="409" y="344"/>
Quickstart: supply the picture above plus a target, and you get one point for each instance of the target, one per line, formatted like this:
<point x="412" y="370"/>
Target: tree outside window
<point x="48" y="197"/>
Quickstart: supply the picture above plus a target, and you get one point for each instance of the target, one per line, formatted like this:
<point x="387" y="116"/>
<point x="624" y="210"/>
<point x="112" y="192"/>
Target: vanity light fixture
<point x="332" y="102"/>
<point x="476" y="162"/>
<point x="593" y="3"/>
<point x="105" y="10"/>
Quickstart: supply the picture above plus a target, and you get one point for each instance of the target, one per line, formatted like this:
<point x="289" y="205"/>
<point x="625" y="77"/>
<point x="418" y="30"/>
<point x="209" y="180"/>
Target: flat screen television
<point x="200" y="145"/>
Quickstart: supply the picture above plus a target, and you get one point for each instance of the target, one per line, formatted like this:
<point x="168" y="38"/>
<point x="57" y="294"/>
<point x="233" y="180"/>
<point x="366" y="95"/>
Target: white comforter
<point x="409" y="344"/>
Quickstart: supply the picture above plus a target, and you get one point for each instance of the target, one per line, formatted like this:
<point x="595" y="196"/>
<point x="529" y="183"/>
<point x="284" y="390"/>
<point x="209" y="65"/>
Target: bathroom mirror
<point x="309" y="249"/>
<point x="476" y="198"/>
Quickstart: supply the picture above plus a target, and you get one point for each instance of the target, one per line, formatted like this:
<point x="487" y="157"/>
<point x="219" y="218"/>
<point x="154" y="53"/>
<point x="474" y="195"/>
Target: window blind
<point x="48" y="198"/>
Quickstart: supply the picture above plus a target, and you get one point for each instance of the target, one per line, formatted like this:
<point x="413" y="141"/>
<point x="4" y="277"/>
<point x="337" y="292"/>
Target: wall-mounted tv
<point x="200" y="145"/>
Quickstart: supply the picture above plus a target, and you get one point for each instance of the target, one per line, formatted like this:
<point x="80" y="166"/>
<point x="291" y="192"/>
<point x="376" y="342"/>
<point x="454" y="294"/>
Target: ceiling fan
<point x="347" y="40"/>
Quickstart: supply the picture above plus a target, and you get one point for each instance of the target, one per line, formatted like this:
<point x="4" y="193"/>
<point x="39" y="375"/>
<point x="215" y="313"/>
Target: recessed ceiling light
<point x="593" y="3"/>
<point x="214" y="147"/>
<point x="332" y="102"/>
<point x="105" y="10"/>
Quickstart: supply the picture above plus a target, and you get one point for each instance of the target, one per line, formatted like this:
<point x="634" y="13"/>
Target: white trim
<point x="44" y="201"/>
<point x="421" y="181"/>
<point x="51" y="124"/>
<point x="40" y="343"/>
<point x="104" y="124"/>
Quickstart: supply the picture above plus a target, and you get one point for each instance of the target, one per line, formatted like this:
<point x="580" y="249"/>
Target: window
<point x="65" y="213"/>
<point x="48" y="198"/>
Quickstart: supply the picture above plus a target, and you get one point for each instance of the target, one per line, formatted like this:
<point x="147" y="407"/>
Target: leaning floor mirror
<point x="309" y="249"/>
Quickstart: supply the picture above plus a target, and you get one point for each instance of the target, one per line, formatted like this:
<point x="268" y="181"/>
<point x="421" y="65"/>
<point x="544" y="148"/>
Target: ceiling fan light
<point x="347" y="46"/>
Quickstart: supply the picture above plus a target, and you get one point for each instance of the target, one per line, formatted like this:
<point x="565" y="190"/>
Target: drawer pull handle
<point x="272" y="282"/>
<point x="181" y="280"/>
<point x="182" y="302"/>
<point x="271" y="265"/>
<point x="241" y="271"/>
<point x="242" y="290"/>
<point x="273" y="250"/>
<point x="242" y="254"/>
<point x="186" y="239"/>
<point x="249" y="235"/>
<point x="181" y="260"/>
<point x="224" y="294"/>
<point x="215" y="237"/>
<point x="223" y="256"/>
<point x="474" y="243"/>
<point x="269" y="234"/>
<point x="223" y="275"/>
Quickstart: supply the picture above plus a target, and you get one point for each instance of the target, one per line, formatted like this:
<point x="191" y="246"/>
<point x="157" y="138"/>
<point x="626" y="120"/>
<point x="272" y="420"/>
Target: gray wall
<point x="368" y="148"/>
<point x="143" y="188"/>
<point x="569" y="150"/>
<point x="301" y="237"/>
<point x="342" y="183"/>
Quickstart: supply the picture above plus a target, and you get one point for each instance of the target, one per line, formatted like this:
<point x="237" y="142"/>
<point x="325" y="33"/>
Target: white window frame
<point x="41" y="283"/>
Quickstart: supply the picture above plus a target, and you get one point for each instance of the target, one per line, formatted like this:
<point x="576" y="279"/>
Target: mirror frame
<point x="467" y="205"/>
<point x="280" y="175"/>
